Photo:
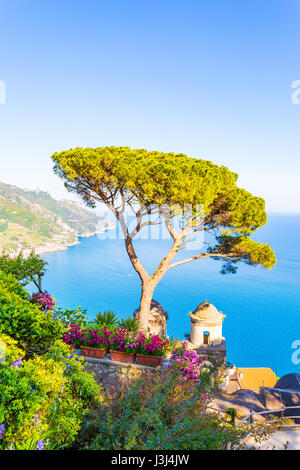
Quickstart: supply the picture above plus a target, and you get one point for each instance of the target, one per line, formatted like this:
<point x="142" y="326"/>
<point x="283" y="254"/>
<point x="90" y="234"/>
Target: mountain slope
<point x="34" y="220"/>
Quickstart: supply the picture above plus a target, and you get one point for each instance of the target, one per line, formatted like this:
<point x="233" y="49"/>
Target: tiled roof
<point x="255" y="377"/>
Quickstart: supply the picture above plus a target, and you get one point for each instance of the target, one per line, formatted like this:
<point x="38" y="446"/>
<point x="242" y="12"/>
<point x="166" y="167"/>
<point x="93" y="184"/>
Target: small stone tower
<point x="206" y="326"/>
<point x="157" y="319"/>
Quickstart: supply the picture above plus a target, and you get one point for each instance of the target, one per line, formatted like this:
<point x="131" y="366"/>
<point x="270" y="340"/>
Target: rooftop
<point x="207" y="312"/>
<point x="255" y="377"/>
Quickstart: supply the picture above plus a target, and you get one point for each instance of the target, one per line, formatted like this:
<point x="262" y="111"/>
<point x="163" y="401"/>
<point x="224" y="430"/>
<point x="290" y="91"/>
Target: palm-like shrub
<point x="130" y="323"/>
<point x="107" y="318"/>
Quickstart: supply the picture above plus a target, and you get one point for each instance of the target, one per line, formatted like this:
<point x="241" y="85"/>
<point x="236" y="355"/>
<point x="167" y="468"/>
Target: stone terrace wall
<point x="110" y="374"/>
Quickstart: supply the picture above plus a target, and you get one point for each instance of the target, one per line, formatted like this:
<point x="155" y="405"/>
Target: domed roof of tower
<point x="206" y="312"/>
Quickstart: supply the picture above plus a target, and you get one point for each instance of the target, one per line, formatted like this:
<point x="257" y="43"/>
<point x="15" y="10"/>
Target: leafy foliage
<point x="160" y="411"/>
<point x="9" y="282"/>
<point x="161" y="178"/>
<point x="25" y="270"/>
<point x="130" y="323"/>
<point x="232" y="413"/>
<point x="186" y="363"/>
<point x="43" y="399"/>
<point x="25" y="322"/>
<point x="45" y="391"/>
<point x="107" y="318"/>
<point x="68" y="316"/>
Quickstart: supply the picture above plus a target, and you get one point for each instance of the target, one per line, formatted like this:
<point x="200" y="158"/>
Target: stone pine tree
<point x="164" y="185"/>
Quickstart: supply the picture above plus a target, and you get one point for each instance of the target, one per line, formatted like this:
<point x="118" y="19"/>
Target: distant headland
<point x="33" y="220"/>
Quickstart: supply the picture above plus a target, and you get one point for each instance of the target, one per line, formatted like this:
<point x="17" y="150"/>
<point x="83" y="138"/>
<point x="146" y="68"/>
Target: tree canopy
<point x="25" y="270"/>
<point x="151" y="178"/>
<point x="166" y="183"/>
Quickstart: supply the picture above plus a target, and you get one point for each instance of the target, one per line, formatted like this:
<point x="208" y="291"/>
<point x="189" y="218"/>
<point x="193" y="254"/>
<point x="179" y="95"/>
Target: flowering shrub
<point x="186" y="362"/>
<point x="43" y="300"/>
<point x="43" y="400"/>
<point x="9" y="282"/>
<point x="120" y="339"/>
<point x="24" y="321"/>
<point x="73" y="336"/>
<point x="124" y="341"/>
<point x="96" y="338"/>
<point x="152" y="345"/>
<point x="77" y="336"/>
<point x="45" y="391"/>
<point x="161" y="410"/>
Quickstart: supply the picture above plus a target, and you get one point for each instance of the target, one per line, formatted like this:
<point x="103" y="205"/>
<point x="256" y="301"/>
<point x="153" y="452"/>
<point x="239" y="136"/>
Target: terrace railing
<point x="251" y="416"/>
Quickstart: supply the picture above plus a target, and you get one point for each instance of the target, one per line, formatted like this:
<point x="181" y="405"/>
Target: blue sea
<point x="262" y="307"/>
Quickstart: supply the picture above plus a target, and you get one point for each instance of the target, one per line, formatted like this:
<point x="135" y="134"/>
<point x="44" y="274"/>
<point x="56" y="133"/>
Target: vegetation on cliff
<point x="34" y="220"/>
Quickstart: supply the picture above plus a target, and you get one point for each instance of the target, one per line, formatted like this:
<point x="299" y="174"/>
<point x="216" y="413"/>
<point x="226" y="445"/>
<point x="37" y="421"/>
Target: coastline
<point x="62" y="247"/>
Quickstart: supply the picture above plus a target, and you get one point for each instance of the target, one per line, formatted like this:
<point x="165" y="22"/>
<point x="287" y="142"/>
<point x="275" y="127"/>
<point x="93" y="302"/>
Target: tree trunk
<point x="40" y="282"/>
<point x="145" y="305"/>
<point x="37" y="284"/>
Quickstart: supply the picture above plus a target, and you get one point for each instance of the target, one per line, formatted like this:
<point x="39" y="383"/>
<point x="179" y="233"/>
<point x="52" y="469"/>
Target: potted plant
<point x="122" y="346"/>
<point x="94" y="343"/>
<point x="151" y="350"/>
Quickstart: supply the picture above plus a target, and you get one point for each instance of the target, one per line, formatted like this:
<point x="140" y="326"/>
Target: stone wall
<point x="110" y="374"/>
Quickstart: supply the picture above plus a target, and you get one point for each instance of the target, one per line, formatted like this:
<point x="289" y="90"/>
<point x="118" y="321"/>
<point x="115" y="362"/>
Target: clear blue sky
<point x="209" y="78"/>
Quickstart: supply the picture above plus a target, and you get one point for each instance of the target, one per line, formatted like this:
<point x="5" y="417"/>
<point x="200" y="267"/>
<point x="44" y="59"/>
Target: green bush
<point x="68" y="316"/>
<point x="24" y="269"/>
<point x="161" y="411"/>
<point x="45" y="398"/>
<point x="45" y="391"/>
<point x="9" y="282"/>
<point x="82" y="382"/>
<point x="34" y="330"/>
<point x="146" y="413"/>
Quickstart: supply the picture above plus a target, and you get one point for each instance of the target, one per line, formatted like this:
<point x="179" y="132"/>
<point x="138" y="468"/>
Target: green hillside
<point x="34" y="220"/>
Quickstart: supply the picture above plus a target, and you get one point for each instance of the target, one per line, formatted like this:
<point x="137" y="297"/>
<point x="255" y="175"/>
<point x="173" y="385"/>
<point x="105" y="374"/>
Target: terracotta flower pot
<point x="93" y="352"/>
<point x="119" y="356"/>
<point x="152" y="361"/>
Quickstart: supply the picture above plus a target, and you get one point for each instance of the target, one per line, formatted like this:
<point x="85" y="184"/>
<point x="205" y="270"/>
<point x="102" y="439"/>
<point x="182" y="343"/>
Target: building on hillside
<point x="249" y="378"/>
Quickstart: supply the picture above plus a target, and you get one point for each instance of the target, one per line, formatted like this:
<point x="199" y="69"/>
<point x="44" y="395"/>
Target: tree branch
<point x="204" y="255"/>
